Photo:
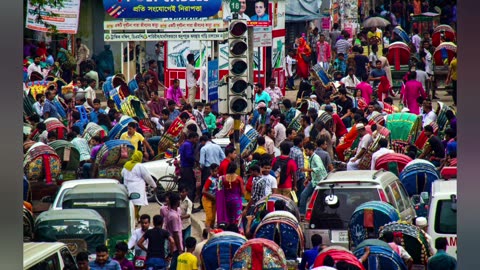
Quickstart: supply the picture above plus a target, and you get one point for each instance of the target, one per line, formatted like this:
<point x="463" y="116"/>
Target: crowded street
<point x="241" y="134"/>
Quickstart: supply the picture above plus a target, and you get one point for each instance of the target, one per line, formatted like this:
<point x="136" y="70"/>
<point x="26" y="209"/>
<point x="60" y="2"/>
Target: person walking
<point x="188" y="261"/>
<point x="210" y="153"/>
<point x="157" y="239"/>
<point x="317" y="172"/>
<point x="191" y="79"/>
<point x="441" y="260"/>
<point x="135" y="177"/>
<point x="229" y="194"/>
<point x="187" y="162"/>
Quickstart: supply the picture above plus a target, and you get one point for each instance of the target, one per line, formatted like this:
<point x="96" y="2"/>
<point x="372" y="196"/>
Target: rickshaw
<point x="445" y="32"/>
<point x="368" y="218"/>
<point x="418" y="176"/>
<point x="111" y="157"/>
<point x="381" y="255"/>
<point x="393" y="162"/>
<point x="338" y="254"/>
<point x="404" y="130"/>
<point x="219" y="250"/>
<point x="113" y="203"/>
<point x="399" y="59"/>
<point x="259" y="254"/>
<point x="82" y="230"/>
<point x="413" y="239"/>
<point x="69" y="156"/>
<point x="425" y="21"/>
<point x="442" y="56"/>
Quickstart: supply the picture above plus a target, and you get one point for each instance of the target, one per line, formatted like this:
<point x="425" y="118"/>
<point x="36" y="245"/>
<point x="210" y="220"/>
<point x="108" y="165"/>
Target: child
<point x="270" y="180"/>
<point x="188" y="261"/>
<point x="340" y="64"/>
<point x="186" y="206"/>
<point x="208" y="198"/>
<point x="254" y="172"/>
<point x="121" y="249"/>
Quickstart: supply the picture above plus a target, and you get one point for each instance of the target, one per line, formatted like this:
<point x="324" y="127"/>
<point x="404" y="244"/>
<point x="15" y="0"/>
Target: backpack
<point x="280" y="169"/>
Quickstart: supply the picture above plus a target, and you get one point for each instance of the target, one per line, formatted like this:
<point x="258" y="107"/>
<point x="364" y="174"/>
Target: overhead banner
<point x="170" y="9"/>
<point x="213" y="84"/>
<point x="255" y="12"/>
<point x="65" y="21"/>
<point x="180" y="25"/>
<point x="165" y="36"/>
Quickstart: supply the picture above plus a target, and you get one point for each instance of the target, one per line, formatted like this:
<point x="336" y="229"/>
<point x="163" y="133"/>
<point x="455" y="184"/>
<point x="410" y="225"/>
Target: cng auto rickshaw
<point x="80" y="229"/>
<point x="113" y="203"/>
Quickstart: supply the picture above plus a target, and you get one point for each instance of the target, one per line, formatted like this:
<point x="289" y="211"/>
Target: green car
<point x="80" y="229"/>
<point x="113" y="203"/>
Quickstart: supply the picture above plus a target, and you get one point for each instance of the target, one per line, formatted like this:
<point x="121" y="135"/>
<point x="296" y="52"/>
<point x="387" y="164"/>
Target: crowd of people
<point x="293" y="152"/>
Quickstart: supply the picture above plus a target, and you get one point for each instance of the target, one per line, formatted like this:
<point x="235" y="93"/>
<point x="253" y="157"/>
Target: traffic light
<point x="239" y="88"/>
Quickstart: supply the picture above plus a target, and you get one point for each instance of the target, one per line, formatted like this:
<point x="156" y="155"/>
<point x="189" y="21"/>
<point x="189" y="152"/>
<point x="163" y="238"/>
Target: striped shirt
<point x="297" y="154"/>
<point x="343" y="46"/>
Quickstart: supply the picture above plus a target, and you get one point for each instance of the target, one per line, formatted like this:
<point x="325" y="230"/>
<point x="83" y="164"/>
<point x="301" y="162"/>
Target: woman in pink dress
<point x="411" y="91"/>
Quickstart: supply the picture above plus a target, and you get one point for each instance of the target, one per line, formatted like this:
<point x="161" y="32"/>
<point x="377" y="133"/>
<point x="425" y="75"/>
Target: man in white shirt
<point x="227" y="126"/>
<point x="428" y="115"/>
<point x="159" y="52"/>
<point x="280" y="131"/>
<point x="428" y="59"/>
<point x="416" y="39"/>
<point x="138" y="233"/>
<point x="422" y="224"/>
<point x="35" y="66"/>
<point x="191" y="78"/>
<point x="365" y="141"/>
<point x="270" y="181"/>
<point x="90" y="94"/>
<point x="350" y="81"/>
<point x="288" y="64"/>
<point x="383" y="144"/>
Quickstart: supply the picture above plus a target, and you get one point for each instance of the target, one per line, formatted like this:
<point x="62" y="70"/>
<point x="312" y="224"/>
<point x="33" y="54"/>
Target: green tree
<point x="40" y="11"/>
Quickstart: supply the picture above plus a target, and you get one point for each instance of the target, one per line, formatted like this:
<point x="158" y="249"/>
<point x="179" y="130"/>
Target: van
<point x="352" y="188"/>
<point x="47" y="256"/>
<point x="442" y="218"/>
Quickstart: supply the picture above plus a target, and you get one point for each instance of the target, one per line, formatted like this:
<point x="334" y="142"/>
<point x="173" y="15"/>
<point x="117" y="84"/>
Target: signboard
<point x="262" y="37"/>
<point x="66" y="21"/>
<point x="235" y="5"/>
<point x="326" y="23"/>
<point x="178" y="25"/>
<point x="213" y="84"/>
<point x="166" y="36"/>
<point x="255" y="12"/>
<point x="161" y="9"/>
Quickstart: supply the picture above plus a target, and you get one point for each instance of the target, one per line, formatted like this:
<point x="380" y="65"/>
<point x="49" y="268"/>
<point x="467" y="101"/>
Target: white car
<point x="165" y="167"/>
<point x="68" y="185"/>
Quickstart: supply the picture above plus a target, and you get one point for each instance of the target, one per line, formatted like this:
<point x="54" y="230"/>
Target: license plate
<point x="340" y="236"/>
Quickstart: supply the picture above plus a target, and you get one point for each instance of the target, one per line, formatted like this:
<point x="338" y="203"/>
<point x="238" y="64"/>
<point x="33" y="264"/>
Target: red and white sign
<point x="66" y="19"/>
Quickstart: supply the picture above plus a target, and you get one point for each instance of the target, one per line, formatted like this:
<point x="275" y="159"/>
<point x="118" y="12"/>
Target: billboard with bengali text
<point x="65" y="21"/>
<point x="156" y="9"/>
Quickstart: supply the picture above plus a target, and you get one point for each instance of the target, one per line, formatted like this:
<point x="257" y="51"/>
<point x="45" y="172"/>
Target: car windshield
<point x="445" y="218"/>
<point x="60" y="197"/>
<point x="326" y="217"/>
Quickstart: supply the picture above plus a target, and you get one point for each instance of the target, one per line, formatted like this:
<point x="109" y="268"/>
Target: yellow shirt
<point x="453" y="69"/>
<point x="261" y="150"/>
<point x="137" y="137"/>
<point x="187" y="261"/>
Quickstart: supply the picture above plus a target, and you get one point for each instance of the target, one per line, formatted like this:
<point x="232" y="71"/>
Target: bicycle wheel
<point x="165" y="185"/>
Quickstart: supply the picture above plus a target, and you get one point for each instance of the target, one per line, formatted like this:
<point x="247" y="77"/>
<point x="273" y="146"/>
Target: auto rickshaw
<point x="113" y="203"/>
<point x="80" y="229"/>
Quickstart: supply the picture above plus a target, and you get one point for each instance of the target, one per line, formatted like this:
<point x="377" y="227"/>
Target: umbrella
<point x="375" y="22"/>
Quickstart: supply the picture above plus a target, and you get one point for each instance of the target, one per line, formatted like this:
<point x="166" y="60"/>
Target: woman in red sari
<point x="304" y="52"/>
<point x="348" y="141"/>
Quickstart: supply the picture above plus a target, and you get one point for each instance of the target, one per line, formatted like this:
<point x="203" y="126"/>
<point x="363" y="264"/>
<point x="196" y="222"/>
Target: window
<point x="50" y="263"/>
<point x="68" y="260"/>
<point x="445" y="218"/>
<point x="390" y="197"/>
<point x="398" y="197"/>
<point x="326" y="217"/>
<point x="406" y="199"/>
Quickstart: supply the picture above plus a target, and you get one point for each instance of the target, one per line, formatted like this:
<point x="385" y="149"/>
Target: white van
<point x="442" y="217"/>
<point x="352" y="188"/>
<point x="51" y="256"/>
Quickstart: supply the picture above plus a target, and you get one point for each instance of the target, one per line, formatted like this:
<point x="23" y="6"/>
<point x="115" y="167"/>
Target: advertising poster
<point x="65" y="21"/>
<point x="256" y="12"/>
<point x="169" y="9"/>
<point x="213" y="84"/>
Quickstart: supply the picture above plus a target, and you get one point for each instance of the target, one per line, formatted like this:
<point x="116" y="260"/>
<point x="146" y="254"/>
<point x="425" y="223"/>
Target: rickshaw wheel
<point x="169" y="185"/>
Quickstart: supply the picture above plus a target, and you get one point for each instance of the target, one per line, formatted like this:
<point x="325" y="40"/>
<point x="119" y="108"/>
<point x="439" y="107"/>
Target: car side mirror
<point x="47" y="199"/>
<point x="134" y="196"/>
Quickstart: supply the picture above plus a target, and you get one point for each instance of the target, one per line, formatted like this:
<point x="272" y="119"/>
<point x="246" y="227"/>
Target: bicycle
<point x="167" y="183"/>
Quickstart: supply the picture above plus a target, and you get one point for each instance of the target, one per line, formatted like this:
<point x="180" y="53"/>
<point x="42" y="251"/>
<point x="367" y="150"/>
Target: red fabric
<point x="387" y="108"/>
<point x="422" y="139"/>
<point x="368" y="218"/>
<point x="257" y="260"/>
<point x="249" y="184"/>
<point x="397" y="60"/>
<point x="347" y="143"/>
<point x="340" y="128"/>
<point x="48" y="171"/>
<point x="102" y="133"/>
<point x="394" y="247"/>
<point x="384" y="88"/>
<point x="270" y="206"/>
<point x="60" y="133"/>
<point x="291" y="167"/>
<point x="302" y="66"/>
<point x="338" y="255"/>
<point x="222" y="169"/>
